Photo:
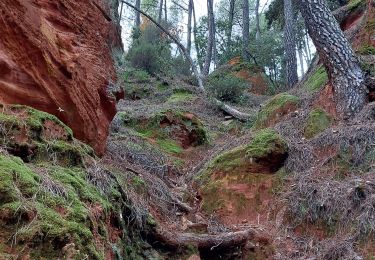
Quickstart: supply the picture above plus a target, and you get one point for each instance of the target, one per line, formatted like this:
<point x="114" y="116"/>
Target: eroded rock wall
<point x="56" y="56"/>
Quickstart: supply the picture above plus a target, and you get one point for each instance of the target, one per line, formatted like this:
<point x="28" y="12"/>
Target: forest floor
<point x="195" y="185"/>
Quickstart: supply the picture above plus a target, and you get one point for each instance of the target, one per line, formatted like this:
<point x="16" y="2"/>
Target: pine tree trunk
<point x="290" y="45"/>
<point x="230" y="25"/>
<point x="190" y="14"/>
<point x="337" y="55"/>
<point x="245" y="30"/>
<point x="137" y="14"/>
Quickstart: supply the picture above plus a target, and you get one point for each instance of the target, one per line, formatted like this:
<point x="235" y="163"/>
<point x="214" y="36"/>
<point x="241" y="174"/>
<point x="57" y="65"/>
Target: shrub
<point x="227" y="88"/>
<point x="149" y="51"/>
<point x="136" y="75"/>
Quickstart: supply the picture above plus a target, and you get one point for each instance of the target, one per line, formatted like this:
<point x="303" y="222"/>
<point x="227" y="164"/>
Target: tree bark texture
<point x="230" y="25"/>
<point x="245" y="30"/>
<point x="290" y="45"/>
<point x="337" y="55"/>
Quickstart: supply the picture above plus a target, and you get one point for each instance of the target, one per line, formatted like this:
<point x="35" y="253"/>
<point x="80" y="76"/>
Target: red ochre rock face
<point x="56" y="56"/>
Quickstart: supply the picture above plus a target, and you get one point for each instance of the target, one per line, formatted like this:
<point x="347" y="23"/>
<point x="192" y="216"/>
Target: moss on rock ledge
<point x="173" y="131"/>
<point x="238" y="183"/>
<point x="38" y="136"/>
<point x="276" y="108"/>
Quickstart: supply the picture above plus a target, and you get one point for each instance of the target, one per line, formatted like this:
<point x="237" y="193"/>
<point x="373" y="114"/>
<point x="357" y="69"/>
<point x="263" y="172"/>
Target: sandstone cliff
<point x="56" y="56"/>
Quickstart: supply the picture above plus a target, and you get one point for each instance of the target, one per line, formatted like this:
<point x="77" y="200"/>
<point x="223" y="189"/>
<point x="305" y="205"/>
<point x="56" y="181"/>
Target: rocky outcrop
<point x="56" y="56"/>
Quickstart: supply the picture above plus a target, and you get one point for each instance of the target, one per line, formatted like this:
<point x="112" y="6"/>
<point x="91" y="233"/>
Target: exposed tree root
<point x="204" y="241"/>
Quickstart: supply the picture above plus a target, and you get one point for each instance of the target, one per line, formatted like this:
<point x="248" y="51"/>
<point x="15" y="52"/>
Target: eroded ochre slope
<point x="56" y="56"/>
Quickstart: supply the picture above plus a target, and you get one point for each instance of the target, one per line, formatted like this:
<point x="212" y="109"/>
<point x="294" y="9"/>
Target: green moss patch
<point x="48" y="203"/>
<point x="355" y="4"/>
<point x="173" y="131"/>
<point x="38" y="136"/>
<point x="317" y="80"/>
<point x="317" y="121"/>
<point x="274" y="109"/>
<point x="367" y="50"/>
<point x="266" y="143"/>
<point x="180" y="95"/>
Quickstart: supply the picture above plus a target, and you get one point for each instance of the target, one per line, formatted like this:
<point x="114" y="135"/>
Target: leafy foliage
<point x="227" y="88"/>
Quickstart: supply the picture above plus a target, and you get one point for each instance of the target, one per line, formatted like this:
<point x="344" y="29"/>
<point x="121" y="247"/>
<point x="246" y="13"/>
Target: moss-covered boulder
<point x="317" y="121"/>
<point x="172" y="130"/>
<point x="38" y="136"/>
<point x="238" y="184"/>
<point x="275" y="109"/>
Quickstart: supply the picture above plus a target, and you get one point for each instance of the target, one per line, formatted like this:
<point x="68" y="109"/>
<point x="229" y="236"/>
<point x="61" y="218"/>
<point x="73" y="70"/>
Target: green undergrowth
<point x="135" y="75"/>
<point x="277" y="106"/>
<point x="170" y="146"/>
<point x="317" y="121"/>
<point x="180" y="95"/>
<point x="161" y="128"/>
<point x="316" y="81"/>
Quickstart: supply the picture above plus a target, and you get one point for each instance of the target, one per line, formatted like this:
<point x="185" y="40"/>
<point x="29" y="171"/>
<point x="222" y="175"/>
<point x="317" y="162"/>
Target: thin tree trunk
<point x="165" y="11"/>
<point x="257" y="34"/>
<point x="301" y="61"/>
<point x="200" y="64"/>
<point x="121" y="9"/>
<point x="190" y="14"/>
<point x="211" y="36"/>
<point x="137" y="14"/>
<point x="290" y="45"/>
<point x="160" y="11"/>
<point x="230" y="25"/>
<point x="335" y="51"/>
<point x="245" y="30"/>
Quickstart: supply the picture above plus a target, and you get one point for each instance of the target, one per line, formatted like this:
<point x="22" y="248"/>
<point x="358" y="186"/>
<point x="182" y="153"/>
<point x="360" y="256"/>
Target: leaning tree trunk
<point x="290" y="45"/>
<point x="335" y="51"/>
<point x="245" y="30"/>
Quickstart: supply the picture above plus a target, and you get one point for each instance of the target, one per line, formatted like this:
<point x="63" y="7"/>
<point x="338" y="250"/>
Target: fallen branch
<point x="205" y="241"/>
<point x="228" y="109"/>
